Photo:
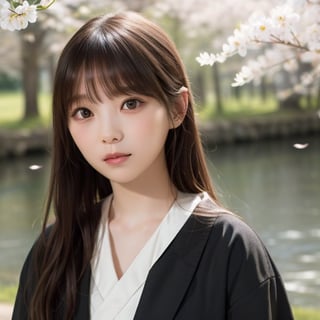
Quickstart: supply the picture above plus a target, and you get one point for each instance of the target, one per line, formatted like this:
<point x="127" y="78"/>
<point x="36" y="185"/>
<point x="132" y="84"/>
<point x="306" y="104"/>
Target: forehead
<point x="94" y="84"/>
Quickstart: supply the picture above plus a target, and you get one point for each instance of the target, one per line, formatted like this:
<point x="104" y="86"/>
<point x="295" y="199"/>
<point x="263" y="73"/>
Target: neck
<point x="147" y="199"/>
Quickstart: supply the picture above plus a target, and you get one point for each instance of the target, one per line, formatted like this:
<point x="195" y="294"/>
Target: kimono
<point x="215" y="267"/>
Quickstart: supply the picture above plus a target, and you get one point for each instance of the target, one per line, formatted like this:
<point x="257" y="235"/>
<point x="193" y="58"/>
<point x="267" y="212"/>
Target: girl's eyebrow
<point x="78" y="98"/>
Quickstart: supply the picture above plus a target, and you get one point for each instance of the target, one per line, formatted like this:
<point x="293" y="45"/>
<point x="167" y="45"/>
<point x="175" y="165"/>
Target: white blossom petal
<point x="205" y="59"/>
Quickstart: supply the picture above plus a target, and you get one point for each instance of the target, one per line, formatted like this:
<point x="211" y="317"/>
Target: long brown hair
<point x="122" y="53"/>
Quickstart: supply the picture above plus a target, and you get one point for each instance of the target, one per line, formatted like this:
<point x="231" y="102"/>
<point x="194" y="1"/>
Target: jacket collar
<point x="169" y="278"/>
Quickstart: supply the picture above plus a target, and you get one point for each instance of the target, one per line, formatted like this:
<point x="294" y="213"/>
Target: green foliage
<point x="11" y="111"/>
<point x="8" y="293"/>
<point x="306" y="314"/>
<point x="247" y="105"/>
<point x="8" y="83"/>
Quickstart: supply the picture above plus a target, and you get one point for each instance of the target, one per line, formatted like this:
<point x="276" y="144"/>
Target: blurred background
<point x="261" y="140"/>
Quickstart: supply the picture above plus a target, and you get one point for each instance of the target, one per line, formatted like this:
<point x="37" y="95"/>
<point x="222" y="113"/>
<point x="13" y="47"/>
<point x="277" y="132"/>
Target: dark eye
<point x="131" y="104"/>
<point x="82" y="113"/>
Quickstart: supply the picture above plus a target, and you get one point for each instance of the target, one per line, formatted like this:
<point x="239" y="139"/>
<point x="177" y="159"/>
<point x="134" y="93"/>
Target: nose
<point x="110" y="140"/>
<point x="110" y="131"/>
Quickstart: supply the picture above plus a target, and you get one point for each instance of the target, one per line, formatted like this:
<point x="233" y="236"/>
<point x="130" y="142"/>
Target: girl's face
<point x="122" y="138"/>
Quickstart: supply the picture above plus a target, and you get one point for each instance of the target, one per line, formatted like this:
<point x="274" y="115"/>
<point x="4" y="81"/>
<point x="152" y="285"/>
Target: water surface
<point x="276" y="188"/>
<point x="273" y="185"/>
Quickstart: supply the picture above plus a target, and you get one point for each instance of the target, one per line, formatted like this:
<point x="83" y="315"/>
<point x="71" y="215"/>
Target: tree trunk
<point x="199" y="88"/>
<point x="236" y="92"/>
<point x="290" y="103"/>
<point x="263" y="89"/>
<point x="217" y="88"/>
<point x="284" y="83"/>
<point x="318" y="99"/>
<point x="31" y="43"/>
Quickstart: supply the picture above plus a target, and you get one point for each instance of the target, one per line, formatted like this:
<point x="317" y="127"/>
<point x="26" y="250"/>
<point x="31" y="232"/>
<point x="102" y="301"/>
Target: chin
<point x="121" y="179"/>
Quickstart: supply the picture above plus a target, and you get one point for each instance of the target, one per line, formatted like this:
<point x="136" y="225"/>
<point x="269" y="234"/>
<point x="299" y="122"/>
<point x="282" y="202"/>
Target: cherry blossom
<point x="206" y="59"/>
<point x="16" y="15"/>
<point x="45" y="3"/>
<point x="287" y="36"/>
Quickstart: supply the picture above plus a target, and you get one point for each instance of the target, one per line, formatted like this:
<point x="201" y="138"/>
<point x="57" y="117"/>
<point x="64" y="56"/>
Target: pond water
<point x="272" y="184"/>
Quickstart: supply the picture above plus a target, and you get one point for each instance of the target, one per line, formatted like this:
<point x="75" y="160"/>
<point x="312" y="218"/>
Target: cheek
<point x="152" y="133"/>
<point x="156" y="124"/>
<point x="78" y="135"/>
<point x="74" y="134"/>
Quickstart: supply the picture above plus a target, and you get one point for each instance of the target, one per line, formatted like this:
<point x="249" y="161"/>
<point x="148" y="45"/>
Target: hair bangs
<point x="113" y="69"/>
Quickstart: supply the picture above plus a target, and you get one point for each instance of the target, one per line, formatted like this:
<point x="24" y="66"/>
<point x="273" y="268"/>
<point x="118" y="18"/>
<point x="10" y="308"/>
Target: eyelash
<point x="137" y="104"/>
<point x="77" y="113"/>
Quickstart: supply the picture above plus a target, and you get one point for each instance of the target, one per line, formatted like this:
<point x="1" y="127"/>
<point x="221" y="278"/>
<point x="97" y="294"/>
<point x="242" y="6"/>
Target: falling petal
<point x="35" y="167"/>
<point x="301" y="146"/>
<point x="291" y="235"/>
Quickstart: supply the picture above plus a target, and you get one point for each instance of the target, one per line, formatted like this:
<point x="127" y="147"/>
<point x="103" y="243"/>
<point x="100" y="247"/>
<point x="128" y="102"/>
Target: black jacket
<point x="216" y="268"/>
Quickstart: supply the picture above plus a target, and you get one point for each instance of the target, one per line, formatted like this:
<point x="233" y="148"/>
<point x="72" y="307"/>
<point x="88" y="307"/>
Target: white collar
<point x="113" y="294"/>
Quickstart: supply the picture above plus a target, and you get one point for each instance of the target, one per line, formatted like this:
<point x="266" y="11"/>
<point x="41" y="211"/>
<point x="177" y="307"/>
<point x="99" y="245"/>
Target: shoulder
<point x="229" y="230"/>
<point x="27" y="283"/>
<point x="253" y="281"/>
<point x="235" y="244"/>
<point x="243" y="255"/>
<point x="239" y="241"/>
<point x="234" y="231"/>
<point x="28" y="277"/>
<point x="29" y="262"/>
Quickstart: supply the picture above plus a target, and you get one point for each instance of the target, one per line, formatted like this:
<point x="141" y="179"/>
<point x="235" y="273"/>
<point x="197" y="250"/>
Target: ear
<point x="180" y="107"/>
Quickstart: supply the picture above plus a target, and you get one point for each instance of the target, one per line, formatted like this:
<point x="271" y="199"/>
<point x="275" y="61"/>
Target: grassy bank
<point x="11" y="106"/>
<point x="246" y="106"/>
<point x="7" y="295"/>
<point x="306" y="314"/>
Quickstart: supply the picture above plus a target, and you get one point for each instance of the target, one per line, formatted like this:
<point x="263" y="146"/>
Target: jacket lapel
<point x="169" y="278"/>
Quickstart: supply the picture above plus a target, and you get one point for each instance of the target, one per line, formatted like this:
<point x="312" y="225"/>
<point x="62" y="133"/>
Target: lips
<point x="116" y="158"/>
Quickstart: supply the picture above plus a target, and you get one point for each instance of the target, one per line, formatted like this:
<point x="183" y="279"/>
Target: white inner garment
<point x="113" y="298"/>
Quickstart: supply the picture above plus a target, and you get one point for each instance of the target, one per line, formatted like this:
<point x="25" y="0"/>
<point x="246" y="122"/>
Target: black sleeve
<point x="267" y="302"/>
<point x="27" y="285"/>
<point x="255" y="288"/>
<point x="20" y="310"/>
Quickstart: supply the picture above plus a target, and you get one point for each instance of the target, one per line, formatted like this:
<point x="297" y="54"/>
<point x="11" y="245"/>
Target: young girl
<point x="138" y="232"/>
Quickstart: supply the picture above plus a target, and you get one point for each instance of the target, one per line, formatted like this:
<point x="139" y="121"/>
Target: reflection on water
<point x="22" y="193"/>
<point x="273" y="185"/>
